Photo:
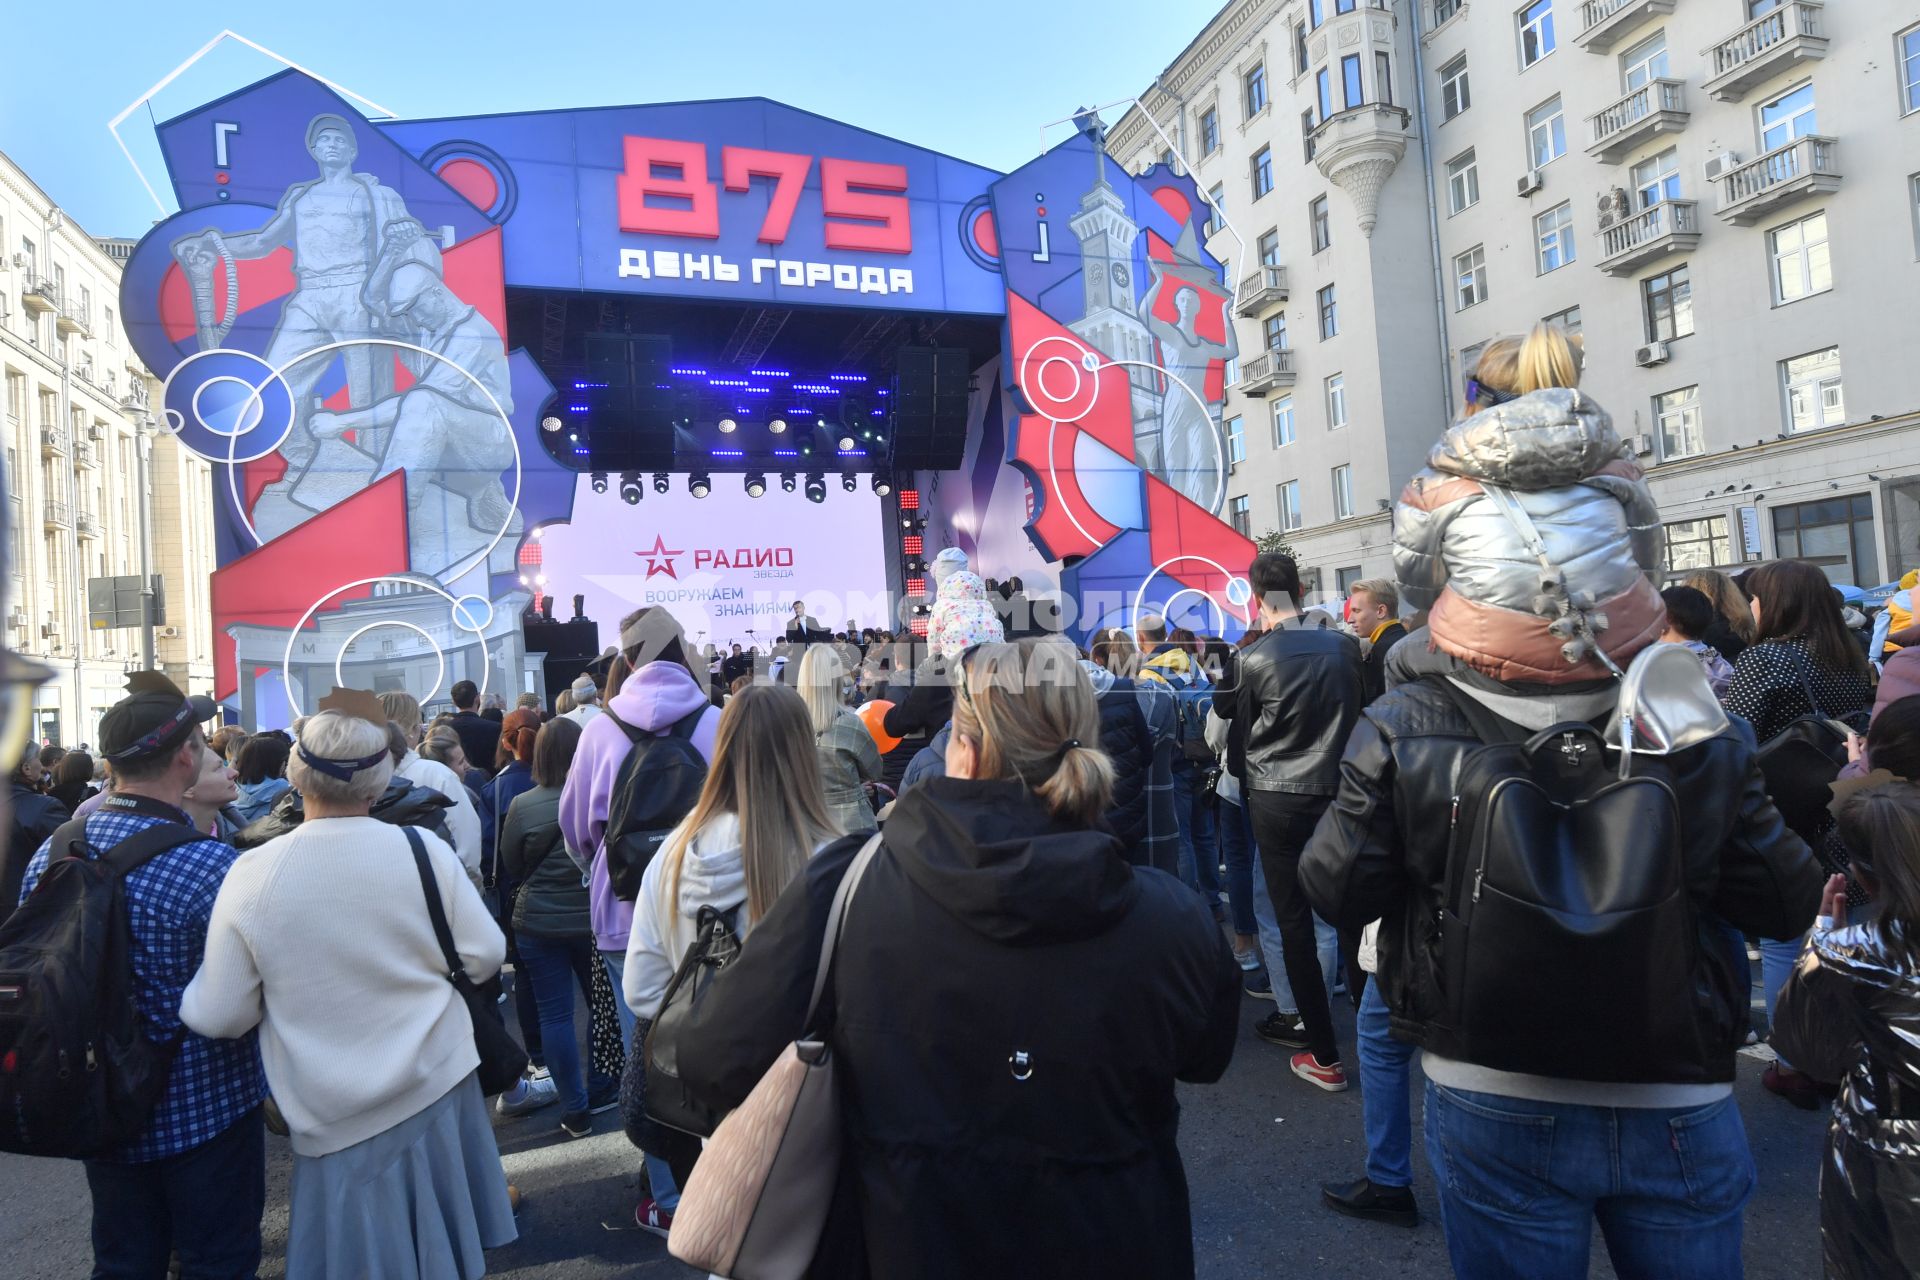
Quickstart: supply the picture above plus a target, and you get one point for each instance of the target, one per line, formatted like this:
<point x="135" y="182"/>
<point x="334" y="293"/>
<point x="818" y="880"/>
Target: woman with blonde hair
<point x="1010" y="1004"/>
<point x="849" y="757"/>
<point x="1732" y="629"/>
<point x="760" y="816"/>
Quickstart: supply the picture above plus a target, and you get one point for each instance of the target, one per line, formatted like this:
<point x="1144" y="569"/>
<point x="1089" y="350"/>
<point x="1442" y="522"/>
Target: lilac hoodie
<point x="653" y="698"/>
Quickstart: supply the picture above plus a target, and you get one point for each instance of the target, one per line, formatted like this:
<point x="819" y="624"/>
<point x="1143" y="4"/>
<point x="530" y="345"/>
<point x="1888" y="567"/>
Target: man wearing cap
<point x="479" y="737"/>
<point x="193" y="1181"/>
<point x="586" y="700"/>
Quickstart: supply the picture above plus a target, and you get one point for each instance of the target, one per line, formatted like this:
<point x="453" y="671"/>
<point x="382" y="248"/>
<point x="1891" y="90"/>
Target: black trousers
<point x="204" y="1204"/>
<point x="1282" y="824"/>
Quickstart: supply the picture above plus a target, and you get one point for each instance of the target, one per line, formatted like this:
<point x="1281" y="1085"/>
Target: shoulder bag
<point x="758" y="1198"/>
<point x="1801" y="761"/>
<point x="502" y="1060"/>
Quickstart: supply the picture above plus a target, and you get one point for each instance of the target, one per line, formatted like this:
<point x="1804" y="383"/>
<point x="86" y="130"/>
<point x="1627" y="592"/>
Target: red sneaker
<point x="649" y="1216"/>
<point x="1309" y="1068"/>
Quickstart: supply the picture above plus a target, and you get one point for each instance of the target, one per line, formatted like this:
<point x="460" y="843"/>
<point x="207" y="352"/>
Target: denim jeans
<point x="1777" y="959"/>
<point x="666" y="1192"/>
<point x="1522" y="1182"/>
<point x="1236" y="847"/>
<point x="1386" y="1107"/>
<point x="204" y="1204"/>
<point x="616" y="962"/>
<point x="554" y="966"/>
<point x="525" y="1010"/>
<point x="1199" y="851"/>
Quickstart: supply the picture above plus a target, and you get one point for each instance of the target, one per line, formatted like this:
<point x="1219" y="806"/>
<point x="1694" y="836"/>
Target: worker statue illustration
<point x="1192" y="453"/>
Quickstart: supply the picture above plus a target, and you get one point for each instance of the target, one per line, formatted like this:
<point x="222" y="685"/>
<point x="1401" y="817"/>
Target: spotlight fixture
<point x="756" y="484"/>
<point x="599" y="482"/>
<point x="847" y="440"/>
<point x="850" y="482"/>
<point x="699" y="484"/>
<point x="788" y="482"/>
<point x="660" y="484"/>
<point x="816" y="487"/>
<point x="778" y="426"/>
<point x="728" y="426"/>
<point x="882" y="485"/>
<point x="551" y="423"/>
<point x="630" y="489"/>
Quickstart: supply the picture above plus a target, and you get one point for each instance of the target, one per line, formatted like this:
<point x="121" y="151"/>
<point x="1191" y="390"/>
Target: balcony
<point x="1808" y="166"/>
<point x="38" y="295"/>
<point x="53" y="441"/>
<point x="1656" y="107"/>
<point x="58" y="516"/>
<point x="1603" y="22"/>
<point x="1672" y="226"/>
<point x="1774" y="42"/>
<point x="1268" y="371"/>
<point x="1265" y="288"/>
<point x="1357" y="150"/>
<point x="72" y="318"/>
<point x="85" y="456"/>
<point x="87" y="525"/>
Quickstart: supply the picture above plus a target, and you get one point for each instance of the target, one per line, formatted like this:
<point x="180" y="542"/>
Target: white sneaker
<point x="529" y="1095"/>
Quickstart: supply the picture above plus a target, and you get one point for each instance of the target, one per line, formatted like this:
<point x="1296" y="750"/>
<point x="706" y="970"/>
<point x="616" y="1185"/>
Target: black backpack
<point x="1566" y="925"/>
<point x="78" y="1075"/>
<point x="657" y="786"/>
<point x="668" y="1102"/>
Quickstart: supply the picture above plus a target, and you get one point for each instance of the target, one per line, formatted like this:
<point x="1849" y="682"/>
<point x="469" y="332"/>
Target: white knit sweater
<point x="321" y="938"/>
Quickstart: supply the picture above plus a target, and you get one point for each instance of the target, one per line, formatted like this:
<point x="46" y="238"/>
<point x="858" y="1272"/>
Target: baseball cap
<point x="153" y="717"/>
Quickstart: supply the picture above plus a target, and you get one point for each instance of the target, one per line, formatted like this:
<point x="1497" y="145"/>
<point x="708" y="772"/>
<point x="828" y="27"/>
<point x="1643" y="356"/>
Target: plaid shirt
<point x="169" y="903"/>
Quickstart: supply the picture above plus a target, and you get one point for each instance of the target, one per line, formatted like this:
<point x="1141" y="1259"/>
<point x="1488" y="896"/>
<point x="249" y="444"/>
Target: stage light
<point x="847" y="441"/>
<point x="816" y="487"/>
<point x="540" y="579"/>
<point x="523" y="580"/>
<point x="551" y="423"/>
<point x="882" y="485"/>
<point x="630" y="489"/>
<point x="599" y="482"/>
<point x="660" y="484"/>
<point x="906" y="522"/>
<point x="788" y="482"/>
<point x="850" y="482"/>
<point x="727" y="426"/>
<point x="699" y="484"/>
<point x="756" y="484"/>
<point x="778" y="426"/>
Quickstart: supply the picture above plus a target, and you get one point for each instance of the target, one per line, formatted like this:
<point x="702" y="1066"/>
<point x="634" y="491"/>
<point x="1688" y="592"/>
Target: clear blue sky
<point x="975" y="79"/>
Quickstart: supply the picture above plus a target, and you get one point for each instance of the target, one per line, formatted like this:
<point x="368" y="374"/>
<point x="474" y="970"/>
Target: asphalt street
<point x="1257" y="1146"/>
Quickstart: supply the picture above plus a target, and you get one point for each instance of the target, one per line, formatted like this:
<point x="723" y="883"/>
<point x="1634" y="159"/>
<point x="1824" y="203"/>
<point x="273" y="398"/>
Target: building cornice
<point x="1767" y="451"/>
<point x="1202" y="59"/>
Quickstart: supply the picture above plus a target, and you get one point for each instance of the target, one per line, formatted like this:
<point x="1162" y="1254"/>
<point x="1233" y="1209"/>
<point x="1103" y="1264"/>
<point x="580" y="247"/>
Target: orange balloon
<point x="873" y="715"/>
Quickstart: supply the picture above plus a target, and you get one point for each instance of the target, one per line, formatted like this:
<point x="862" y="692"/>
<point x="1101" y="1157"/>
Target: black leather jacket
<point x="404" y="804"/>
<point x="1298" y="691"/>
<point x="1380" y="852"/>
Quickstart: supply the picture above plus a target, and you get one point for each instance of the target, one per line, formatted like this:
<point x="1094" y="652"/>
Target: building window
<point x="1697" y="544"/>
<point x="1343" y="6"/>
<point x="1837" y="529"/>
<point x="1470" y="361"/>
<point x="1262" y="172"/>
<point x="1323" y="92"/>
<point x="1463" y="182"/>
<point x="1216" y="208"/>
<point x="107" y="324"/>
<point x="1644" y="62"/>
<point x="1787" y="117"/>
<point x="1283" y="422"/>
<point x="1288" y="498"/>
<point x="1536" y="32"/>
<point x="1800" y="263"/>
<point x="1913" y="207"/>
<point x="1240" y="514"/>
<point x="1568" y="320"/>
<point x="1318" y="224"/>
<point x="1657" y="178"/>
<point x="1382" y="78"/>
<point x="1315" y="14"/>
<point x="1553" y="231"/>
<point x="1254" y="89"/>
<point x="1456" y="95"/>
<point x="1470" y="278"/>
<point x="1812" y="385"/>
<point x="1336" y="402"/>
<point x="1343" y="492"/>
<point x="1229" y="371"/>
<point x="1669" y="304"/>
<point x="1236" y="439"/>
<point x="1444" y="9"/>
<point x="1352" y="92"/>
<point x="1678" y="416"/>
<point x="1300" y="48"/>
<point x="1306" y="132"/>
<point x="1274" y="331"/>
<point x="1546" y="133"/>
<point x="1209" y="131"/>
<point x="1757" y="7"/>
<point x="1329" y="309"/>
<point x="1910" y="70"/>
<point x="1270" y="249"/>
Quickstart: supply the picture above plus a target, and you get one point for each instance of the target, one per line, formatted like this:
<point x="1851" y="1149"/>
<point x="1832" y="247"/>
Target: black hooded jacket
<point x="404" y="805"/>
<point x="986" y="934"/>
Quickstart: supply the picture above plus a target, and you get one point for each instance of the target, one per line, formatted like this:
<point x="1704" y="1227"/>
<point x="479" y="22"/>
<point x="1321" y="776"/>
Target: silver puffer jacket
<point x="1492" y="603"/>
<point x="1851" y="1013"/>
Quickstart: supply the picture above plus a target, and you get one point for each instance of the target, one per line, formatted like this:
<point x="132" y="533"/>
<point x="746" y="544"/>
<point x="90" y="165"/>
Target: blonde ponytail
<point x="1032" y="709"/>
<point x="1546" y="357"/>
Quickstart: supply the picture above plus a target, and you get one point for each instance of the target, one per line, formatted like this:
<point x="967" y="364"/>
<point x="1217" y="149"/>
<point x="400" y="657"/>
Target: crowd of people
<point x="1517" y="806"/>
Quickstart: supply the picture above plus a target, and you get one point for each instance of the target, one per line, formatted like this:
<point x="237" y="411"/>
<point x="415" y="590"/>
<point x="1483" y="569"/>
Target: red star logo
<point x="659" y="559"/>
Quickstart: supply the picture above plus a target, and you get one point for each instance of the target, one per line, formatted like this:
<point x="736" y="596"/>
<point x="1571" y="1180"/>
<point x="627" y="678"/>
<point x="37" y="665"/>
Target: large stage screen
<point x="729" y="566"/>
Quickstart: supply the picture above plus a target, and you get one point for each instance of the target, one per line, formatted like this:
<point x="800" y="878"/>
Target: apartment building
<point x="1721" y="196"/>
<point x="78" y="415"/>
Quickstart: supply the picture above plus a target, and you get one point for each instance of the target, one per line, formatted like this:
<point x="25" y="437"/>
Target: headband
<point x="1480" y="393"/>
<point x="341" y="769"/>
<point x="153" y="739"/>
